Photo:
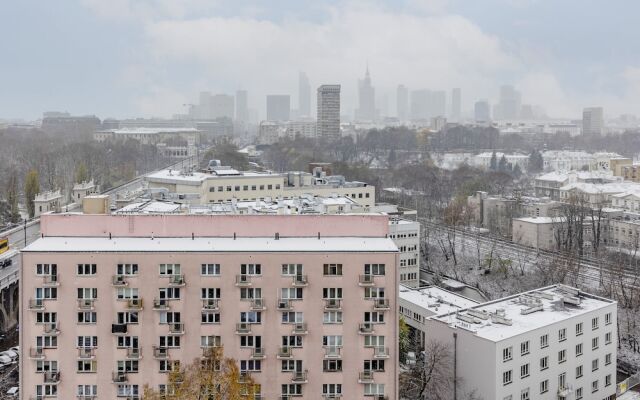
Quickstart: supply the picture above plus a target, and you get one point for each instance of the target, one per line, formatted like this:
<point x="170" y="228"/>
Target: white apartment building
<point x="551" y="343"/>
<point x="566" y="160"/>
<point x="50" y="201"/>
<point x="483" y="160"/>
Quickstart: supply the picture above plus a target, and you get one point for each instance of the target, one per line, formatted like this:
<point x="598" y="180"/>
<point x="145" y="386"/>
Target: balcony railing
<point x="52" y="377"/>
<point x="51" y="280"/>
<point x="51" y="329"/>
<point x="300" y="328"/>
<point x="243" y="280"/>
<point x="134" y="304"/>
<point x="119" y="280"/>
<point x="86" y="353"/>
<point x="258" y="353"/>
<point x="161" y="353"/>
<point x="365" y="377"/>
<point x="86" y="397"/>
<point x="299" y="376"/>
<point x="176" y="280"/>
<point x="119" y="377"/>
<point x="331" y="396"/>
<point x="332" y="351"/>
<point x="381" y="352"/>
<point x="332" y="304"/>
<point x="119" y="329"/>
<point x="285" y="352"/>
<point x="211" y="304"/>
<point x="36" y="353"/>
<point x="86" y="304"/>
<point x="366" y="280"/>
<point x="160" y="304"/>
<point x="299" y="281"/>
<point x="36" y="304"/>
<point x="243" y="328"/>
<point x="176" y="328"/>
<point x="258" y="305"/>
<point x="381" y="304"/>
<point x="365" y="328"/>
<point x="134" y="353"/>
<point x="284" y="305"/>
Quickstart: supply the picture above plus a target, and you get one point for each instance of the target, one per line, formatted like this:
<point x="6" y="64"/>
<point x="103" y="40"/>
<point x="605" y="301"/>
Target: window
<point x="86" y="269"/>
<point x="594" y="343"/>
<point x="544" y="386"/>
<point x="371" y="293"/>
<point x="45" y="366"/>
<point x="291" y="293"/>
<point x="169" y="317"/>
<point x="250" y="269"/>
<point x="125" y="342"/>
<point x="46" y="391"/>
<point x="250" y="341"/>
<point x="209" y="293"/>
<point x="562" y="381"/>
<point x="544" y="363"/>
<point x="524" y="348"/>
<point x="292" y="341"/>
<point x="607" y="359"/>
<point x="372" y="389"/>
<point x="210" y="269"/>
<point x="87" y="317"/>
<point x="291" y="389"/>
<point x="524" y="371"/>
<point x="128" y="366"/>
<point x="544" y="341"/>
<point x="594" y="323"/>
<point x="250" y="293"/>
<point x="126" y="390"/>
<point x="607" y="319"/>
<point x="86" y="366"/>
<point x="336" y="340"/>
<point x="579" y="329"/>
<point x="251" y="317"/>
<point x="169" y="365"/>
<point x="332" y="365"/>
<point x="579" y="393"/>
<point x="47" y="342"/>
<point x="507" y="377"/>
<point x="374" y="365"/>
<point x="46" y="317"/>
<point x="87" y="390"/>
<point x="127" y="269"/>
<point x="290" y="365"/>
<point x="607" y="338"/>
<point x="375" y="317"/>
<point x="594" y="365"/>
<point x="332" y="317"/>
<point x="127" y="317"/>
<point x="562" y="334"/>
<point x="292" y="317"/>
<point x="292" y="269"/>
<point x="332" y="269"/>
<point x="127" y="293"/>
<point x="578" y="349"/>
<point x="170" y="341"/>
<point x="332" y="293"/>
<point x="87" y="342"/>
<point x="607" y="380"/>
<point x="172" y="293"/>
<point x="507" y="353"/>
<point x="374" y="269"/>
<point x="46" y="293"/>
<point x="46" y="269"/>
<point x="331" y="388"/>
<point x="579" y="371"/>
<point x="594" y="386"/>
<point x="524" y="395"/>
<point x="87" y="293"/>
<point x="169" y="269"/>
<point x="210" y="341"/>
<point x="562" y="356"/>
<point x="250" y="365"/>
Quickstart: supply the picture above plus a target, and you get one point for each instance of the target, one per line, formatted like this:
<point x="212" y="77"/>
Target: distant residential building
<point x="304" y="96"/>
<point x="278" y="107"/>
<point x="270" y="132"/>
<point x="303" y="127"/>
<point x="554" y="342"/>
<point x="366" y="99"/>
<point x="213" y="106"/>
<point x="592" y="121"/>
<point x="456" y="104"/>
<point x="65" y="123"/>
<point x="566" y="160"/>
<point x="83" y="189"/>
<point x="328" y="111"/>
<point x="402" y="103"/>
<point x="482" y="111"/>
<point x="550" y="184"/>
<point x="50" y="201"/>
<point x="438" y="123"/>
<point x="509" y="104"/>
<point x="483" y="160"/>
<point x="172" y="142"/>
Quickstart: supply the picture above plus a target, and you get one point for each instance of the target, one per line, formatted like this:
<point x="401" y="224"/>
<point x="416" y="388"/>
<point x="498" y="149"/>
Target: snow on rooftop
<point x="511" y="316"/>
<point x="177" y="175"/>
<point x="150" y="131"/>
<point x="211" y="244"/>
<point x="435" y="299"/>
<point x="150" y="207"/>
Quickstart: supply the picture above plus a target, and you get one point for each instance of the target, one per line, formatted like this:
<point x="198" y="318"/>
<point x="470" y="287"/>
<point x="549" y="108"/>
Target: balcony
<point x="134" y="304"/>
<point x="285" y="305"/>
<point x="36" y="304"/>
<point x="366" y="280"/>
<point x="36" y="353"/>
<point x="365" y="377"/>
<point x="176" y="280"/>
<point x="244" y="377"/>
<point x="51" y="280"/>
<point x="299" y="281"/>
<point x="52" y="377"/>
<point x="119" y="377"/>
<point x="212" y="351"/>
<point x="332" y="304"/>
<point x="379" y="397"/>
<point x="285" y="352"/>
<point x="299" y="376"/>
<point x="243" y="280"/>
<point x="258" y="353"/>
<point x="86" y="353"/>
<point x="300" y="329"/>
<point x="51" y="329"/>
<point x="134" y="353"/>
<point x="380" y="352"/>
<point x="210" y="304"/>
<point x="258" y="305"/>
<point x="243" y="328"/>
<point x="86" y="397"/>
<point x="365" y="328"/>
<point x="86" y="304"/>
<point x="381" y="304"/>
<point x="160" y="353"/>
<point x="160" y="304"/>
<point x="176" y="328"/>
<point x="119" y="281"/>
<point x="332" y="352"/>
<point x="119" y="329"/>
<point x="331" y="396"/>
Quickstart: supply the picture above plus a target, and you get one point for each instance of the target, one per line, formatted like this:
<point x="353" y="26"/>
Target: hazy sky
<point x="125" y="58"/>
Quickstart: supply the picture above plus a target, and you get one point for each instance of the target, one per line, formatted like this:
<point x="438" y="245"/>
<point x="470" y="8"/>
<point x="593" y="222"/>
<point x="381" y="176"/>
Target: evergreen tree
<point x="536" y="162"/>
<point x="502" y="165"/>
<point x="31" y="189"/>
<point x="517" y="172"/>
<point x="493" y="165"/>
<point x="12" y="198"/>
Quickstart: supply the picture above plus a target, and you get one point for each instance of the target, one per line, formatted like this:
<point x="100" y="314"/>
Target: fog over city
<point x="149" y="57"/>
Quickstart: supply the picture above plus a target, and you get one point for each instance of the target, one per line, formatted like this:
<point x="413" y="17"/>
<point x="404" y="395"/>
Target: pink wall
<point x="214" y="225"/>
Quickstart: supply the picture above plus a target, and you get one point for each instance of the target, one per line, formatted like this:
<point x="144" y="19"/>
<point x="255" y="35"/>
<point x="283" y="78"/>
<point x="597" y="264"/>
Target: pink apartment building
<point x="306" y="304"/>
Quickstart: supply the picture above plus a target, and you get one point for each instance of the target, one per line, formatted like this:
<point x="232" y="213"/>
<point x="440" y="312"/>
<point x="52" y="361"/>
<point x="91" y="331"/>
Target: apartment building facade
<point x="112" y="302"/>
<point x="551" y="343"/>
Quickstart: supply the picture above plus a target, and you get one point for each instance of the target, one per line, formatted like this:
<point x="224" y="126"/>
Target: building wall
<point x="406" y="235"/>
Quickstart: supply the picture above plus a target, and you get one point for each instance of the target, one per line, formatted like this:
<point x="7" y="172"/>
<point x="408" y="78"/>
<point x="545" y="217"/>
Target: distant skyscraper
<point x="482" y="111"/>
<point x="221" y="105"/>
<point x="402" y="102"/>
<point x="510" y="103"/>
<point x="304" y="96"/>
<point x="592" y="121"/>
<point x="242" y="106"/>
<point x="456" y="103"/>
<point x="366" y="97"/>
<point x="278" y="107"/>
<point x="328" y="110"/>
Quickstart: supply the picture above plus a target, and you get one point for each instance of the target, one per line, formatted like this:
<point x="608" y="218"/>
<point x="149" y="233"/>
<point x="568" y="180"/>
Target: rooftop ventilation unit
<point x="499" y="317"/>
<point x="483" y="315"/>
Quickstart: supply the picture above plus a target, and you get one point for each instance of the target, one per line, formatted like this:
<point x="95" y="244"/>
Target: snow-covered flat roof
<point x="540" y="220"/>
<point x="528" y="311"/>
<point x="435" y="299"/>
<point x="210" y="244"/>
<point x="149" y="131"/>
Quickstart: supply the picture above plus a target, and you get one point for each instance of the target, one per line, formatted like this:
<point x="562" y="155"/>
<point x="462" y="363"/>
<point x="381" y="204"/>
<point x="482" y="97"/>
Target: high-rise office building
<point x="456" y="104"/>
<point x="592" y="121"/>
<point x="304" y="96"/>
<point x="482" y="111"/>
<point x="328" y="111"/>
<point x="402" y="102"/>
<point x="278" y="107"/>
<point x="510" y="103"/>
<point x="107" y="313"/>
<point x="242" y="106"/>
<point x="366" y="99"/>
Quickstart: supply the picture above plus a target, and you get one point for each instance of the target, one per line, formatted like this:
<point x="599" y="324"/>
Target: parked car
<point x="16" y="349"/>
<point x="13" y="391"/>
<point x="9" y="353"/>
<point x="5" y="360"/>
